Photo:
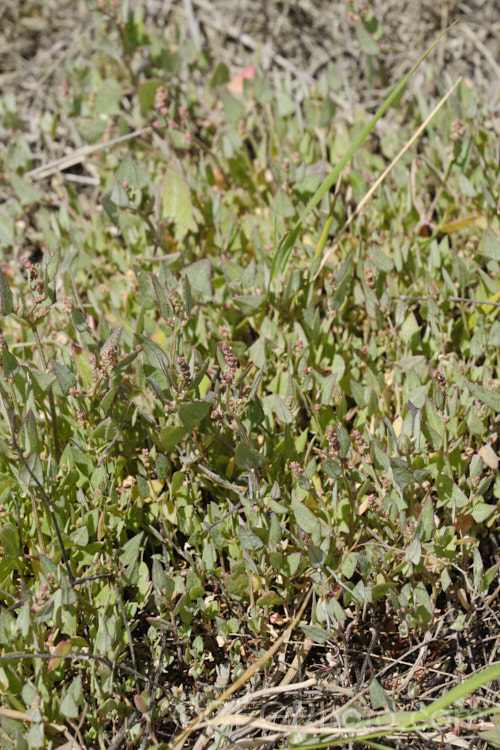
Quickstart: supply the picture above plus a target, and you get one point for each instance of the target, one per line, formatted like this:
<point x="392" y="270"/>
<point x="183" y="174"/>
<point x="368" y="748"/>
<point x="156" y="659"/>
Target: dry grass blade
<point x="282" y="256"/>
<point x="332" y="731"/>
<point x="46" y="170"/>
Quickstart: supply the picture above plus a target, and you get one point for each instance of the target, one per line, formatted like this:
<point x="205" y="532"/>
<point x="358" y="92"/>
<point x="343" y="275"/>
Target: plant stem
<point x="38" y="525"/>
<point x="52" y="406"/>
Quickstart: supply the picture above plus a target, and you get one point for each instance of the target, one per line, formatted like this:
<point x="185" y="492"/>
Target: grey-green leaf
<point x="192" y="413"/>
<point x="6" y="301"/>
<point x="489" y="398"/>
<point x="64" y="376"/>
<point x="247" y="457"/>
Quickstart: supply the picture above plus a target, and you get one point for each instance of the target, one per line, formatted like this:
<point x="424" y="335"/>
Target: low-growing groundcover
<point x="195" y="452"/>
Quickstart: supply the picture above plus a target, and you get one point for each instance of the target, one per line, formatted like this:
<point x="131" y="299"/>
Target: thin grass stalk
<point x="384" y="174"/>
<point x="282" y="256"/>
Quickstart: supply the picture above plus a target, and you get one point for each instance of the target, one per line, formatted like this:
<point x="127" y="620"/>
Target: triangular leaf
<point x="191" y="414"/>
<point x="248" y="458"/>
<point x="6" y="302"/>
<point x="174" y="198"/>
<point x="401" y="472"/>
<point x="200" y="276"/>
<point x="489" y="398"/>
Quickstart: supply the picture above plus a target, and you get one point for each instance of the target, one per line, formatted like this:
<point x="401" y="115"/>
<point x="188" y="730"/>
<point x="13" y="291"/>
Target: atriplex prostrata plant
<point x="186" y="450"/>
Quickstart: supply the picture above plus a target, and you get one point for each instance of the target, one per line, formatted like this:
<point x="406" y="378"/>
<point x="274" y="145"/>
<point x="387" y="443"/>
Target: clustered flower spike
<point x="441" y="381"/>
<point x="296" y="469"/>
<point x="229" y="372"/>
<point x="333" y="440"/>
<point x="184" y="368"/>
<point x="229" y="356"/>
<point x="360" y="442"/>
<point x="161" y="100"/>
<point x="35" y="281"/>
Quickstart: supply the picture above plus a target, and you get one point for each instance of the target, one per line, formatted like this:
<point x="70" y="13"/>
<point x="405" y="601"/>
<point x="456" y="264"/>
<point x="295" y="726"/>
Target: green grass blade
<point x="283" y="254"/>
<point x="470" y="685"/>
<point x="408" y="721"/>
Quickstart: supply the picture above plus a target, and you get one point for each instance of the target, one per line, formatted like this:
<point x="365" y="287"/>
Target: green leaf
<point x="171" y="436"/>
<point x="412" y="423"/>
<point x="82" y="364"/>
<point x="10" y="364"/>
<point x="378" y="696"/>
<point x="130" y="550"/>
<point x="249" y="304"/>
<point x="158" y="577"/>
<point x="68" y="707"/>
<point x="154" y="354"/>
<point x="233" y="109"/>
<point x="249" y="540"/>
<point x="144" y="285"/>
<point x="107" y="430"/>
<point x="281" y="410"/>
<point x="6" y="231"/>
<point x="423" y="603"/>
<point x="127" y="172"/>
<point x="255" y="385"/>
<point x="344" y="440"/>
<point x="290" y="564"/>
<point x="6" y="302"/>
<point x="174" y="198"/>
<point x="490" y="245"/>
<point x="82" y="460"/>
<point x="238" y="585"/>
<point x="427" y="518"/>
<point x="108" y="98"/>
<point x="200" y="276"/>
<point x="188" y="297"/>
<point x="491" y="738"/>
<point x="147" y="95"/>
<point x="220" y="76"/>
<point x="349" y="565"/>
<point x="317" y="635"/>
<point x="78" y="319"/>
<point x="26" y="192"/>
<point x="192" y="413"/>
<point x="269" y="599"/>
<point x="335" y="609"/>
<point x="413" y="552"/>
<point x="401" y="472"/>
<point x="31" y="472"/>
<point x="482" y="511"/>
<point x="64" y="376"/>
<point x="366" y="42"/>
<point x="118" y="196"/>
<point x="113" y="339"/>
<point x="36" y="735"/>
<point x="328" y="110"/>
<point x="9" y="537"/>
<point x="248" y="458"/>
<point x="50" y="264"/>
<point x="29" y="427"/>
<point x="161" y="298"/>
<point x="489" y="398"/>
<point x="91" y="129"/>
<point x="449" y="493"/>
<point x="304" y="517"/>
<point x="331" y="468"/>
<point x="43" y="381"/>
<point x="111" y="208"/>
<point x="143" y="487"/>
